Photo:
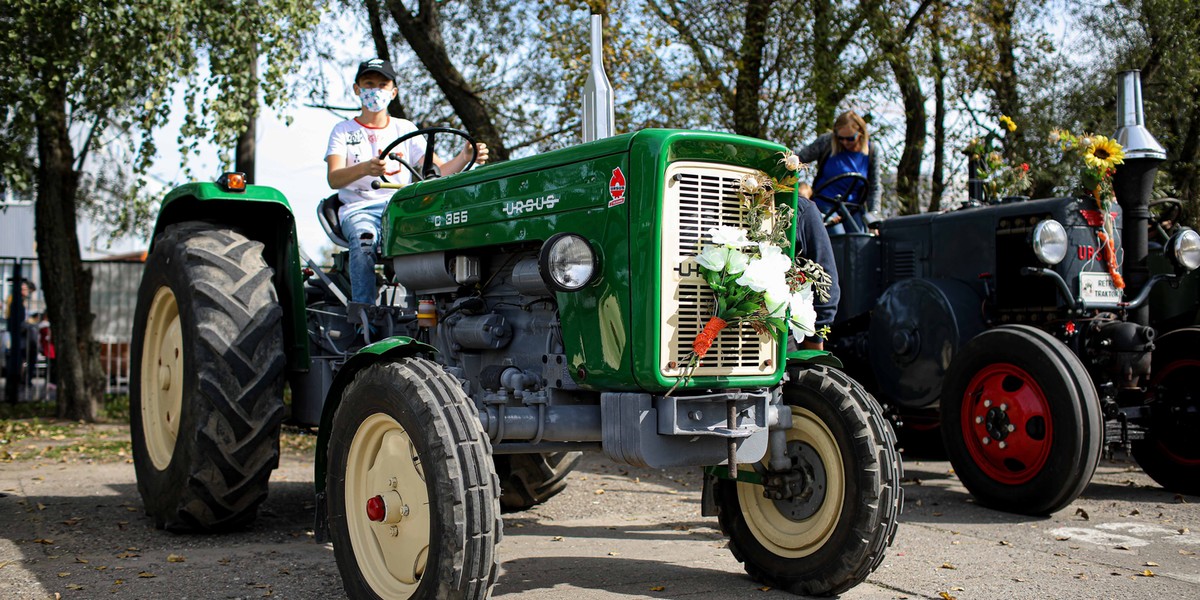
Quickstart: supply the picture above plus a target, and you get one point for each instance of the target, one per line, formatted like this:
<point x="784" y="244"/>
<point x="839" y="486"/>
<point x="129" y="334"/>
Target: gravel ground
<point x="74" y="528"/>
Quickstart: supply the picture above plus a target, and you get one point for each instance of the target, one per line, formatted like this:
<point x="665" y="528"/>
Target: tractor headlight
<point x="1184" y="249"/>
<point x="567" y="262"/>
<point x="1050" y="241"/>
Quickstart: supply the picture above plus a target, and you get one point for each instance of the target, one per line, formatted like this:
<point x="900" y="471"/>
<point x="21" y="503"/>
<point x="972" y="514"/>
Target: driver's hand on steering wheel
<point x="374" y="166"/>
<point x="481" y="158"/>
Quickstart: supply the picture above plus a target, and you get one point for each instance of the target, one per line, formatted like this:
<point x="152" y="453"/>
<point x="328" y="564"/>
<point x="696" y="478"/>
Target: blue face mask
<point x="375" y="100"/>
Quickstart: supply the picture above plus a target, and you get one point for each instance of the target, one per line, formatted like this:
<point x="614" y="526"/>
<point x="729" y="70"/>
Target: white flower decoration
<point x="777" y="300"/>
<point x="732" y="237"/>
<point x="803" y="317"/>
<point x="774" y="256"/>
<point x="790" y="161"/>
<point x="760" y="275"/>
<point x="723" y="258"/>
<point x="751" y="185"/>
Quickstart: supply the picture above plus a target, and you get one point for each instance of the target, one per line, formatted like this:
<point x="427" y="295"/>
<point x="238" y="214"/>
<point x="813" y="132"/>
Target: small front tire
<point x="830" y="541"/>
<point x="413" y="498"/>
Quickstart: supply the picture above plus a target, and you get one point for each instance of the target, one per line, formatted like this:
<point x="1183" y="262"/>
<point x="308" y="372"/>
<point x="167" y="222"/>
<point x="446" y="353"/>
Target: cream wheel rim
<point x="162" y="378"/>
<point x="780" y="534"/>
<point x="383" y="463"/>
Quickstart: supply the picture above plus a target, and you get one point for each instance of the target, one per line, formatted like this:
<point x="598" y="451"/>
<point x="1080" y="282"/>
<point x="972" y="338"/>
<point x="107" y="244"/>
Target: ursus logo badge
<point x="616" y="188"/>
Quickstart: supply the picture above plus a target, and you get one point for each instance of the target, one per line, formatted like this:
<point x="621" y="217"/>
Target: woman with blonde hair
<point x="847" y="149"/>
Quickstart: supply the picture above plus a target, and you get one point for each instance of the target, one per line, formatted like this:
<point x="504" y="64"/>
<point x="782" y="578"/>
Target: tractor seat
<point x="327" y="214"/>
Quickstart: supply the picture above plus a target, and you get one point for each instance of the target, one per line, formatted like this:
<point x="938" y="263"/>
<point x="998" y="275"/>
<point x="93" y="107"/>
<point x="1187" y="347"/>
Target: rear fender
<point x="262" y="214"/>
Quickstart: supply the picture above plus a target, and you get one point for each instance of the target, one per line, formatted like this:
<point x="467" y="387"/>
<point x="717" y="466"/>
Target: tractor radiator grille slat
<point x="698" y="197"/>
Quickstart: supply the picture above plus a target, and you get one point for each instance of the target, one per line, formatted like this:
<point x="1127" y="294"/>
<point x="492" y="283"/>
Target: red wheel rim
<point x="1176" y="447"/>
<point x="1006" y="424"/>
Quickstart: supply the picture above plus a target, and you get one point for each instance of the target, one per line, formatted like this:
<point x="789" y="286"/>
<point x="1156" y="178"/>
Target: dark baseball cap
<point x="376" y="65"/>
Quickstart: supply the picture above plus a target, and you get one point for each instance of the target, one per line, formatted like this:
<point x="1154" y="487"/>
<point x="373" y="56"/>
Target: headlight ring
<point x="567" y="262"/>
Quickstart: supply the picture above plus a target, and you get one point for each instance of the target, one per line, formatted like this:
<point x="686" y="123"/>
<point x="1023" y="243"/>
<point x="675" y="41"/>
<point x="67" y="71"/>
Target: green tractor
<point x="530" y="311"/>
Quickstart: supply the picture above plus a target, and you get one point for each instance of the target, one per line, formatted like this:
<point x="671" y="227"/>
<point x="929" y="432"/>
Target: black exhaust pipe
<point x="1134" y="182"/>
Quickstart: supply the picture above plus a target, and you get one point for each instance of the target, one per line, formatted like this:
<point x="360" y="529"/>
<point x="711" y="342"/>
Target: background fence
<point x="114" y="297"/>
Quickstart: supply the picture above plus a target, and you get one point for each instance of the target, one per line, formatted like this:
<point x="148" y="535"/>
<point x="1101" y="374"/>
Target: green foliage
<point x="118" y="62"/>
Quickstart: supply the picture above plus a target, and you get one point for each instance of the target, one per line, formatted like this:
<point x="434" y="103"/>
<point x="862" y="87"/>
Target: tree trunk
<point x="747" y="117"/>
<point x="423" y="32"/>
<point x="382" y="50"/>
<point x="908" y="171"/>
<point x="66" y="285"/>
<point x="938" y="179"/>
<point x="243" y="156"/>
<point x="1004" y="86"/>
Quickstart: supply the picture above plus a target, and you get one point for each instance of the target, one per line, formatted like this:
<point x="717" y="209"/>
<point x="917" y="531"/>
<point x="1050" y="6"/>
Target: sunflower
<point x="1103" y="153"/>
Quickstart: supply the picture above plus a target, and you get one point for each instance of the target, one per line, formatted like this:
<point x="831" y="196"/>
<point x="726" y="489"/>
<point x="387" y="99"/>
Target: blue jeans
<point x="361" y="230"/>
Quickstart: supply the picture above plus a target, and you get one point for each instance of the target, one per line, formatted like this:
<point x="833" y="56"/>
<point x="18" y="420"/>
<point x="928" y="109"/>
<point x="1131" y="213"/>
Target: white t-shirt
<point x="357" y="143"/>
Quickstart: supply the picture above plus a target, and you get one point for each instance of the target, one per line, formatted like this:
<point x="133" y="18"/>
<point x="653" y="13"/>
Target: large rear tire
<point x="206" y="397"/>
<point x="832" y="540"/>
<point x="1021" y="421"/>
<point x="527" y="480"/>
<point x="1170" y="453"/>
<point x="413" y="500"/>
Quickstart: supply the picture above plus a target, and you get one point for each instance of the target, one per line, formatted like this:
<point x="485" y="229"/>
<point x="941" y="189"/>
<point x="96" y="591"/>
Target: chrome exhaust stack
<point x="1134" y="182"/>
<point x="597" y="93"/>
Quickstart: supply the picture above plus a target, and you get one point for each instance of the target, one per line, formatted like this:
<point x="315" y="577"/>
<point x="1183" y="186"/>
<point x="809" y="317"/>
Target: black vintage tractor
<point x="1001" y="323"/>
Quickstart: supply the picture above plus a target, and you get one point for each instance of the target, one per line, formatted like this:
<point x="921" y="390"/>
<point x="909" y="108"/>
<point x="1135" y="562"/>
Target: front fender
<point x="803" y="358"/>
<point x="389" y="349"/>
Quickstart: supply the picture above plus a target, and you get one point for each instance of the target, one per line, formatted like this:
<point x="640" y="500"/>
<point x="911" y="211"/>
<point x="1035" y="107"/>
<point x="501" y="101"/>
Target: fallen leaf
<point x="1151" y="563"/>
<point x="1187" y="553"/>
<point x="957" y="589"/>
<point x="41" y="506"/>
<point x="1079" y="512"/>
<point x="658" y="588"/>
<point x="948" y="566"/>
<point x="1119" y="547"/>
<point x="1005" y="543"/>
<point x="175" y="558"/>
<point x="82" y="561"/>
<point x="598" y="492"/>
<point x="73" y="521"/>
<point x="947" y="596"/>
<point x="64" y="574"/>
<point x="1147" y="573"/>
<point x="146" y="575"/>
<point x="128" y="555"/>
<point x="73" y="586"/>
<point x="765" y="588"/>
<point x="557" y="538"/>
<point x="613" y="553"/>
<point x="937" y="514"/>
<point x="119" y="582"/>
<point x="43" y="541"/>
<point x="1063" y="538"/>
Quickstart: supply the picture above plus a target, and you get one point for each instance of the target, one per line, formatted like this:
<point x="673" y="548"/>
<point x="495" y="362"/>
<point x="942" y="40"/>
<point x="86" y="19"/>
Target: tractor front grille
<point x="698" y="197"/>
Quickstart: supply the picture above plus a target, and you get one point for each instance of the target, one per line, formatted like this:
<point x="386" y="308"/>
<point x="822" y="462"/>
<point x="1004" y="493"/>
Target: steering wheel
<point x="857" y="187"/>
<point x="428" y="169"/>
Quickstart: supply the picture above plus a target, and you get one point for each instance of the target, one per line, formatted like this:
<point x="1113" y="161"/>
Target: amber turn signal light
<point x="232" y="182"/>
